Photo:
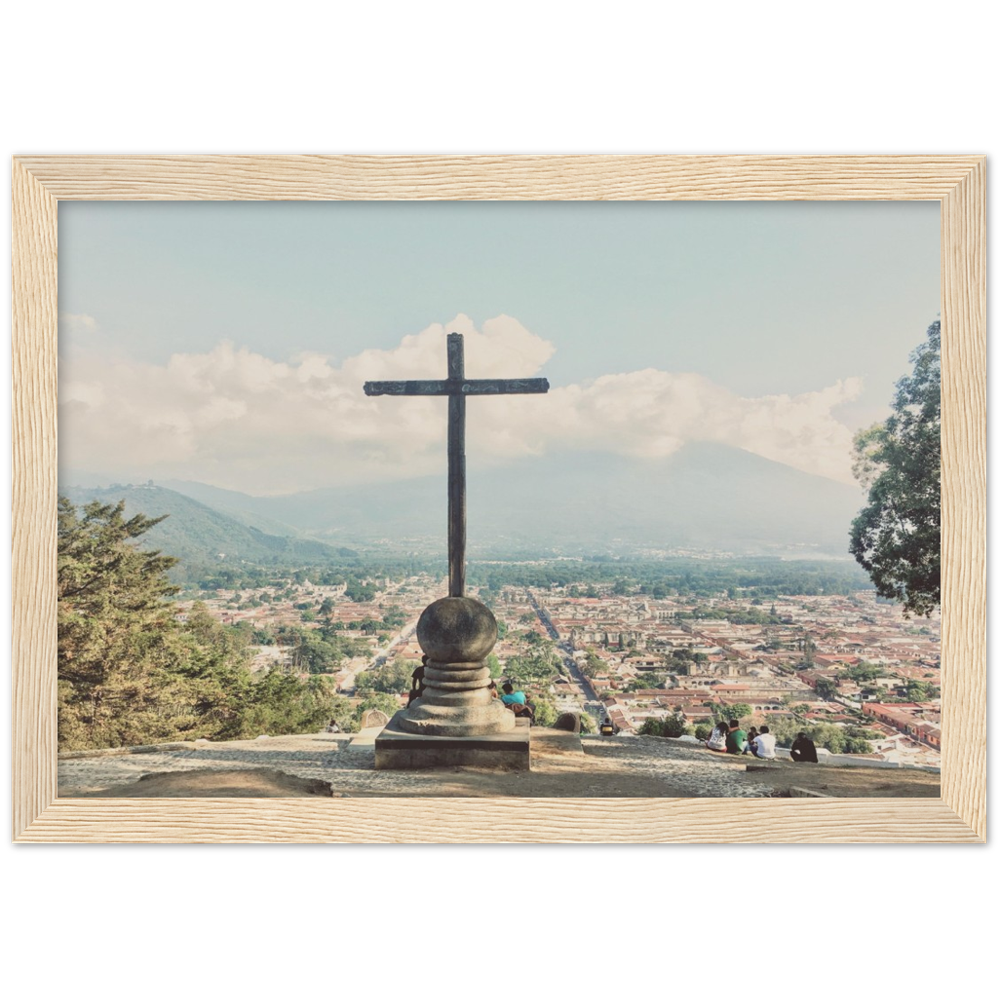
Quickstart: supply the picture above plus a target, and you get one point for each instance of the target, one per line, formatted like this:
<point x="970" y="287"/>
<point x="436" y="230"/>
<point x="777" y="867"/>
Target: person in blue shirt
<point x="517" y="702"/>
<point x="510" y="696"/>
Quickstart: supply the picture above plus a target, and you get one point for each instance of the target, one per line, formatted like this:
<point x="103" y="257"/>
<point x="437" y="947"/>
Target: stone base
<point x="398" y="750"/>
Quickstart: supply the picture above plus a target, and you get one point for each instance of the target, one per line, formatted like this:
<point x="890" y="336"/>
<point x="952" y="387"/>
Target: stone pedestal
<point x="457" y="719"/>
<point x="398" y="750"/>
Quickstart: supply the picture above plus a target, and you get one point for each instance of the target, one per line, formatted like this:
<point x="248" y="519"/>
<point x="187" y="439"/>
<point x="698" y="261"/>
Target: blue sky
<point x="754" y="300"/>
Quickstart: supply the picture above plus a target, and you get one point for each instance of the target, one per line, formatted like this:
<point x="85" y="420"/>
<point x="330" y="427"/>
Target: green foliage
<point x="130" y="673"/>
<point x="532" y="668"/>
<point x="702" y="732"/>
<point x="646" y="681"/>
<point x="897" y="536"/>
<point x="756" y="577"/>
<point x="545" y="711"/>
<point x="386" y="703"/>
<point x="593" y="665"/>
<point x="393" y="619"/>
<point x="918" y="691"/>
<point x="360" y="591"/>
<point x="863" y="672"/>
<point x="587" y="723"/>
<point x="826" y="688"/>
<point x="672" y="725"/>
<point x="836" y="739"/>
<point x="723" y="713"/>
<point x="496" y="668"/>
<point x="392" y="678"/>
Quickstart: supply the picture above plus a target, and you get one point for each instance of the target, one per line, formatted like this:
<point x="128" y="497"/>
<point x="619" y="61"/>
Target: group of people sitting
<point x="732" y="739"/>
<point x="516" y="701"/>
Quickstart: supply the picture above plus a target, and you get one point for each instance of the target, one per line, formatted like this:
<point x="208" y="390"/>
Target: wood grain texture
<point x="782" y="821"/>
<point x="33" y="555"/>
<point x="958" y="181"/>
<point x="963" y="498"/>
<point x="586" y="178"/>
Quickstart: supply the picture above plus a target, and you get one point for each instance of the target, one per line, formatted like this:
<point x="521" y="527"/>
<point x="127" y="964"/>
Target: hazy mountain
<point x="197" y="533"/>
<point x="234" y="504"/>
<point x="708" y="497"/>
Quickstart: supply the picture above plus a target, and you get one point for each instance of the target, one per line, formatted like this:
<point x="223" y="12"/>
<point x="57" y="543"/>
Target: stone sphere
<point x="457" y="630"/>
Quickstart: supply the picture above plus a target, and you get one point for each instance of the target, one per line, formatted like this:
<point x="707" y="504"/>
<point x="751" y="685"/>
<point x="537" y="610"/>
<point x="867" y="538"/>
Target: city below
<point x="851" y="670"/>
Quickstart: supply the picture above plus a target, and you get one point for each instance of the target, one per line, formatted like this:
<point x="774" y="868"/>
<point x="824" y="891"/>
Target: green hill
<point x="196" y="533"/>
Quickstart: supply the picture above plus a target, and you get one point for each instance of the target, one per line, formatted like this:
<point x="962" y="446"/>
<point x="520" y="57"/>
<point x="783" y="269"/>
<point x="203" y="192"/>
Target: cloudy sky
<point x="228" y="342"/>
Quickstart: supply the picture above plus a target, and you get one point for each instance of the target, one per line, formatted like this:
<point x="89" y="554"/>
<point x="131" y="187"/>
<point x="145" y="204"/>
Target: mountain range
<point x="712" y="498"/>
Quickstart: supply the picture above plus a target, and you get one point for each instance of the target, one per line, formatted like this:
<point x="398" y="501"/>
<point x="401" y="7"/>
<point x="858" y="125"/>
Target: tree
<point x="117" y="634"/>
<point x="393" y="678"/>
<point x="545" y="711"/>
<point x="897" y="537"/>
<point x="826" y="688"/>
<point x="739" y="710"/>
<point x="131" y="673"/>
<point x="672" y="726"/>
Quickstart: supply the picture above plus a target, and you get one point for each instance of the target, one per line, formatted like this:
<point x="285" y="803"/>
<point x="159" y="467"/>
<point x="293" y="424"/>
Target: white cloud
<point x="77" y="323"/>
<point x="238" y="419"/>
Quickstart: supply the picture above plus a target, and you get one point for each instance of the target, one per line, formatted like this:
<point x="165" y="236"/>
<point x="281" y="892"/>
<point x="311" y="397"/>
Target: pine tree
<point x="116" y="631"/>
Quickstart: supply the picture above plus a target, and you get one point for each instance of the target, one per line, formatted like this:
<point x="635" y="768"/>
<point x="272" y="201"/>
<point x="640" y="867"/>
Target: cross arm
<point x="413" y="387"/>
<point x="503" y="386"/>
<point x="465" y="387"/>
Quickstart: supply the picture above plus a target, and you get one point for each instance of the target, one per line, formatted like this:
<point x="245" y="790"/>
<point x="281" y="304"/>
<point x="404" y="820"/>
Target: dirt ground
<point x="256" y="783"/>
<point x="850" y="782"/>
<point x="562" y="767"/>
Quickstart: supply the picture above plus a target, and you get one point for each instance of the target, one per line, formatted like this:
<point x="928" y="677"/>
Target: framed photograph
<point x="39" y="183"/>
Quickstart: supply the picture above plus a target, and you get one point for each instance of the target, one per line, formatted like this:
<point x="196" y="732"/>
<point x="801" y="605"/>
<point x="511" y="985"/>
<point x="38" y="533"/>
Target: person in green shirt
<point x="736" y="740"/>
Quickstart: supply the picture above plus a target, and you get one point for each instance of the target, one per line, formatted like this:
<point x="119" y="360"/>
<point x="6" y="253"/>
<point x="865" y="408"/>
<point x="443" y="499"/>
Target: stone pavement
<point x="573" y="768"/>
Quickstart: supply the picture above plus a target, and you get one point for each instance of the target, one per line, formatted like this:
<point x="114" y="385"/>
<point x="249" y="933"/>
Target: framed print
<point x="41" y="182"/>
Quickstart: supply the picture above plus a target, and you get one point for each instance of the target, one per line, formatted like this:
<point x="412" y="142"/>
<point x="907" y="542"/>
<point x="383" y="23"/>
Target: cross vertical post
<point x="456" y="387"/>
<point x="456" y="467"/>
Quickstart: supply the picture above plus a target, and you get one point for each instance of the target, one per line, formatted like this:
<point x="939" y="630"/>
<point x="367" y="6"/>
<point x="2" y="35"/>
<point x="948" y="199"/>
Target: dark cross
<point x="456" y="387"/>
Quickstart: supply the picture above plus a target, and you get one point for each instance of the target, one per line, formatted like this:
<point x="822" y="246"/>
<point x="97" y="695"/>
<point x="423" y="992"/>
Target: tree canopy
<point x="897" y="536"/>
<point x="130" y="672"/>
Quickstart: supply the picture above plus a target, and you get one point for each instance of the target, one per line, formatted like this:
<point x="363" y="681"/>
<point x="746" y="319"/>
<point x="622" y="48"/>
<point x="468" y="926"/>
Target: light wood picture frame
<point x="958" y="182"/>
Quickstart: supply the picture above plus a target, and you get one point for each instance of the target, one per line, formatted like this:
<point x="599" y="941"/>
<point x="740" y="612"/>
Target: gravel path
<point x="617" y="767"/>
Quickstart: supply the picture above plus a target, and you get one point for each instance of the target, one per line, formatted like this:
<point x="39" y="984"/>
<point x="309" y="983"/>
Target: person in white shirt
<point x="763" y="744"/>
<point x="717" y="740"/>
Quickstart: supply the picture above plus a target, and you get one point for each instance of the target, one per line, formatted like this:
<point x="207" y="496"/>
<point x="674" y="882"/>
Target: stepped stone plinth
<point x="456" y="720"/>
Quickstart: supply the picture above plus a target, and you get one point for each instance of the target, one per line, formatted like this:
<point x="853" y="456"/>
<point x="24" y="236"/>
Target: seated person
<point x="517" y="702"/>
<point x="607" y="726"/>
<point x="736" y="738"/>
<point x="804" y="750"/>
<point x="717" y="740"/>
<point x="510" y="696"/>
<point x="417" y="684"/>
<point x="763" y="744"/>
<point x="751" y="736"/>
